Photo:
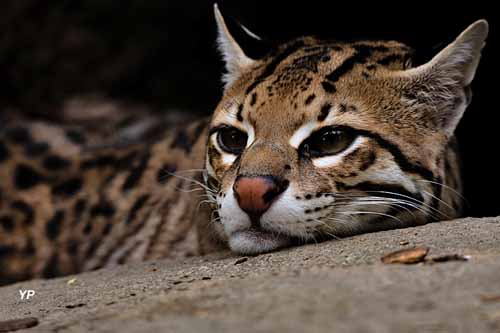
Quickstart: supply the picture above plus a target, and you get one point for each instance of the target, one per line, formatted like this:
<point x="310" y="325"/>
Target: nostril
<point x="278" y="188"/>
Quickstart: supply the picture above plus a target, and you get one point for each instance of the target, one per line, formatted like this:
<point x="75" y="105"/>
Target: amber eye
<point x="232" y="140"/>
<point x="328" y="141"/>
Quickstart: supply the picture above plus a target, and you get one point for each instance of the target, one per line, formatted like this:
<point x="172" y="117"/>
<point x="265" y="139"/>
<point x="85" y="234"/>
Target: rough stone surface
<point x="339" y="285"/>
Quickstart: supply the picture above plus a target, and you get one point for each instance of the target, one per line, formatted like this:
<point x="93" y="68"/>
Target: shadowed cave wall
<point x="161" y="55"/>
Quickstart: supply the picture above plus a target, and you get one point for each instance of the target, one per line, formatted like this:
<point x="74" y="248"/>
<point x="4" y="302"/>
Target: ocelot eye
<point x="232" y="140"/>
<point x="328" y="141"/>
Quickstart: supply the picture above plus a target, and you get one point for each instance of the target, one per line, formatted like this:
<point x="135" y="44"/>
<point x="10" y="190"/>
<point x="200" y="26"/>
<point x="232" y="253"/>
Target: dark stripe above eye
<point x="325" y="110"/>
<point x="239" y="114"/>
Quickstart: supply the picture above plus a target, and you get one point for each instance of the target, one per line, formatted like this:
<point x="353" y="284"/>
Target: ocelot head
<point x="322" y="139"/>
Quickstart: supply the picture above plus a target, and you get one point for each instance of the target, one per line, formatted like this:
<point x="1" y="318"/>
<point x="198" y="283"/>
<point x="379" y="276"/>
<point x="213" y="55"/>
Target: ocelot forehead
<point x="291" y="85"/>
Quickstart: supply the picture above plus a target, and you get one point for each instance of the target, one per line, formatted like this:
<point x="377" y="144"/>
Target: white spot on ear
<point x="329" y="161"/>
<point x="302" y="133"/>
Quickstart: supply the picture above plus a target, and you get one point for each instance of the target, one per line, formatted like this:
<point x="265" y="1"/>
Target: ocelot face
<point x="322" y="139"/>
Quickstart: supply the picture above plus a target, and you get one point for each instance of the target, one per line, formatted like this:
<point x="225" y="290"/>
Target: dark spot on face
<point x="104" y="209"/>
<point x="319" y="195"/>
<point x="53" y="226"/>
<point x="136" y="173"/>
<point x="55" y="163"/>
<point x="325" y="110"/>
<point x="25" y="209"/>
<point x="19" y="135"/>
<point x="370" y="159"/>
<point x="297" y="197"/>
<point x="35" y="149"/>
<point x="352" y="108"/>
<point x="317" y="209"/>
<point x="68" y="188"/>
<point x="4" y="152"/>
<point x="76" y="137"/>
<point x="288" y="167"/>
<point x="239" y="114"/>
<point x="371" y="67"/>
<point x="7" y="223"/>
<point x="328" y="87"/>
<point x="165" y="172"/>
<point x="308" y="196"/>
<point x="309" y="99"/>
<point x="308" y="211"/>
<point x="253" y="99"/>
<point x="26" y="177"/>
<point x="136" y="207"/>
<point x="342" y="108"/>
<point x="365" y="75"/>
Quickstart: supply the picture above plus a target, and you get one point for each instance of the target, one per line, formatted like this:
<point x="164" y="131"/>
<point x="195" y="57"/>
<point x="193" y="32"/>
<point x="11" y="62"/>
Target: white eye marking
<point x="250" y="133"/>
<point x="302" y="133"/>
<point x="227" y="158"/>
<point x="329" y="161"/>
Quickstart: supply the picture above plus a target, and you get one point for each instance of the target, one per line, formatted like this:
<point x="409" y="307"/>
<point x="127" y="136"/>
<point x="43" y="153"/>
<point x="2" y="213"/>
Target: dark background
<point x="161" y="54"/>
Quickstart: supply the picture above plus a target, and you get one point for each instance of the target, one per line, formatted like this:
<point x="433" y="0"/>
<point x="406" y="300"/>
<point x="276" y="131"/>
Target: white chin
<point x="255" y="242"/>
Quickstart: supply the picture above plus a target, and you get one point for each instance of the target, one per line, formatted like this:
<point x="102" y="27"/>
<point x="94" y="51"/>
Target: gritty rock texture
<point x="339" y="285"/>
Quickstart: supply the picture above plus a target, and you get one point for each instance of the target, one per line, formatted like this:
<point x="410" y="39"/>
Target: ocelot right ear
<point x="236" y="59"/>
<point x="439" y="87"/>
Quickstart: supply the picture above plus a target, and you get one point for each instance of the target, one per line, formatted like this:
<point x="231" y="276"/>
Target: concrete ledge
<point x="333" y="286"/>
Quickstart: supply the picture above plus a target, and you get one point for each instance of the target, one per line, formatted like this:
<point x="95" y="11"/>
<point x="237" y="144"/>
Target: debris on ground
<point x="241" y="260"/>
<point x="406" y="256"/>
<point x="17" y="324"/>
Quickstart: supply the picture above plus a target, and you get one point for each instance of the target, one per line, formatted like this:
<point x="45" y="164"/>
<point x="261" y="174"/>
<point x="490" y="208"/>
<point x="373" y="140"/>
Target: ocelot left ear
<point x="236" y="60"/>
<point x="441" y="85"/>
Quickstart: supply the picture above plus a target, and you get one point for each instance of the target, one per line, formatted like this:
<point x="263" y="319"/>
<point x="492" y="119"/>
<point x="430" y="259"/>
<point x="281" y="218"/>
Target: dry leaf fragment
<point x="71" y="281"/>
<point x="490" y="298"/>
<point x="406" y="256"/>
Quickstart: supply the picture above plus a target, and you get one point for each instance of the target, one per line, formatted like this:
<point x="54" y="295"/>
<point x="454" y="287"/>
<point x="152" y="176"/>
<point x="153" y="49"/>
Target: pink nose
<point x="256" y="194"/>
